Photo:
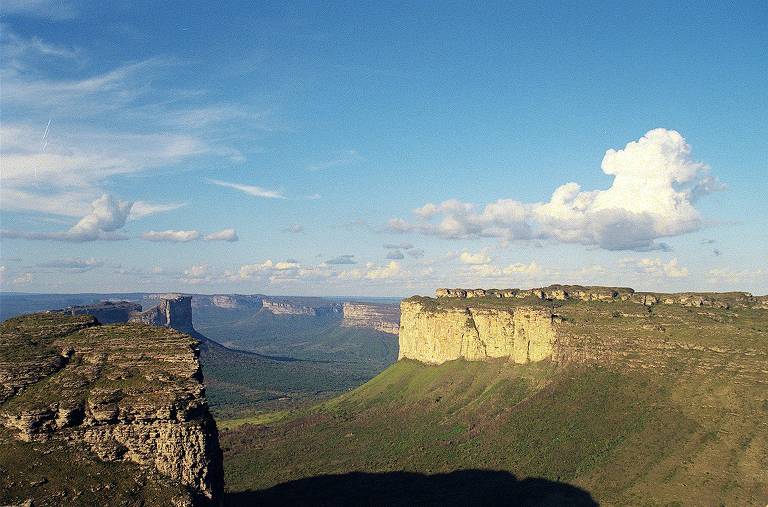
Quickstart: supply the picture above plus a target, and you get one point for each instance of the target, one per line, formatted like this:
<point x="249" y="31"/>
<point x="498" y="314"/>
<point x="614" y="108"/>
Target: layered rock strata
<point x="592" y="293"/>
<point x="289" y="307"/>
<point x="173" y="311"/>
<point x="129" y="393"/>
<point x="725" y="336"/>
<point x="381" y="317"/>
<point x="523" y="334"/>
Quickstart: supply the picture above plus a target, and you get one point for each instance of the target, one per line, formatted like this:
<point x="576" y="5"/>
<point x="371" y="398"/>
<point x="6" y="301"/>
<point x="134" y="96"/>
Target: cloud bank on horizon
<point x="656" y="185"/>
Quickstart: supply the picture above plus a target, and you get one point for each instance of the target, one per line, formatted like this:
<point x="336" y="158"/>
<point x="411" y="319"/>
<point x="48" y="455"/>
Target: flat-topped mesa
<point x="174" y="311"/>
<point x="523" y="334"/>
<point x="614" y="327"/>
<point x="296" y="306"/>
<point x="106" y="312"/>
<point x="598" y="293"/>
<point x="381" y="317"/>
<point x="129" y="394"/>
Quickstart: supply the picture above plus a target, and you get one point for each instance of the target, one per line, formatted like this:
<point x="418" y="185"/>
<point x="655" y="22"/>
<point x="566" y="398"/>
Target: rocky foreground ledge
<point x="123" y="405"/>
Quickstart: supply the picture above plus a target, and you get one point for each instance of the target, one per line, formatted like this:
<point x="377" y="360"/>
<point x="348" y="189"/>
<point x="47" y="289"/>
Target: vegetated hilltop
<point x="103" y="415"/>
<point x="634" y="398"/>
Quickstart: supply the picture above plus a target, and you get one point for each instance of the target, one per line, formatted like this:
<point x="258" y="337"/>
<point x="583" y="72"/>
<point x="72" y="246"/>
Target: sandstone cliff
<point x="301" y="306"/>
<point x="127" y="394"/>
<point x="173" y="310"/>
<point x="610" y="294"/>
<point x="431" y="335"/>
<point x="227" y="301"/>
<point x="381" y="317"/>
<point x="608" y="326"/>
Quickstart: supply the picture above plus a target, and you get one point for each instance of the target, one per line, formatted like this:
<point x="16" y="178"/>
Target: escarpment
<point x="713" y="333"/>
<point x="381" y="317"/>
<point x="611" y="294"/>
<point x="129" y="395"/>
<point x="173" y="310"/>
<point x="106" y="312"/>
<point x="301" y="306"/>
<point x="432" y="335"/>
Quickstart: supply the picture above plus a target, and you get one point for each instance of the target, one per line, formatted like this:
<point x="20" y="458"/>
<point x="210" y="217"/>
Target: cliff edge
<point x="128" y="395"/>
<point x="597" y="325"/>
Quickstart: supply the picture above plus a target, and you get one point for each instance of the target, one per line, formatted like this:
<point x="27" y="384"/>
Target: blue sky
<point x="382" y="148"/>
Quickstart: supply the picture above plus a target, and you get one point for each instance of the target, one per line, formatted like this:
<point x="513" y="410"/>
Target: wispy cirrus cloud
<point x="55" y="10"/>
<point x="141" y="209"/>
<point x="74" y="265"/>
<point x="342" y="159"/>
<point x="249" y="189"/>
<point x="65" y="139"/>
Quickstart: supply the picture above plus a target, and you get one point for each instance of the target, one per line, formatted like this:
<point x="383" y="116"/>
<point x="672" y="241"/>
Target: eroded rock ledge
<point x="381" y="317"/>
<point x="714" y="332"/>
<point x="597" y="293"/>
<point x="128" y="392"/>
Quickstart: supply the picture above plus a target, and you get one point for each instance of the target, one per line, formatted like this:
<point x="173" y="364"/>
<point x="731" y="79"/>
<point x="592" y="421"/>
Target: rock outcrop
<point x="227" y="301"/>
<point x="106" y="312"/>
<point x="173" y="311"/>
<point x="381" y="317"/>
<point x="127" y="393"/>
<point x="298" y="306"/>
<point x="523" y="334"/>
<point x="597" y="293"/>
<point x="605" y="325"/>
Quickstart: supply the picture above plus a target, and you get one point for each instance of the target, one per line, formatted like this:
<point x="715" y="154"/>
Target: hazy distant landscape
<point x="336" y="253"/>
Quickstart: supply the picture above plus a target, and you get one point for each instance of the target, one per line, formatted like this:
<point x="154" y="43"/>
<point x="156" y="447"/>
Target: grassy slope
<point x="626" y="437"/>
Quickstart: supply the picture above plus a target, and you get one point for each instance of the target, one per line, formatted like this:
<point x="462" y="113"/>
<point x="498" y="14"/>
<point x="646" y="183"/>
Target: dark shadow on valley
<point x="463" y="487"/>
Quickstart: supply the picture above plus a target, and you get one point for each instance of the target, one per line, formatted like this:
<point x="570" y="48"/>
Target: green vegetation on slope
<point x="239" y="384"/>
<point x="627" y="437"/>
<point x="318" y="338"/>
<point x="54" y="474"/>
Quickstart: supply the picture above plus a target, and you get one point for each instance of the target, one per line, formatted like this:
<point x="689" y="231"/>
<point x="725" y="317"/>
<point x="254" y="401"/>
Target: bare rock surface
<point x="715" y="333"/>
<point x="381" y="317"/>
<point x="173" y="310"/>
<point x="125" y="393"/>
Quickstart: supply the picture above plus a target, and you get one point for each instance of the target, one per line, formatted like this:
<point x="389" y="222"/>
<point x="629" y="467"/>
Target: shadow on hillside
<point x="463" y="487"/>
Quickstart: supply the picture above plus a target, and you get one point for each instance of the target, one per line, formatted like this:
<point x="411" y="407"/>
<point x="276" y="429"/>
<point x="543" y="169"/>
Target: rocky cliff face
<point x="125" y="393"/>
<point x="609" y="294"/>
<point x="295" y="306"/>
<point x="106" y="312"/>
<point x="227" y="301"/>
<point x="719" y="332"/>
<point x="523" y="334"/>
<point x="381" y="317"/>
<point x="173" y="310"/>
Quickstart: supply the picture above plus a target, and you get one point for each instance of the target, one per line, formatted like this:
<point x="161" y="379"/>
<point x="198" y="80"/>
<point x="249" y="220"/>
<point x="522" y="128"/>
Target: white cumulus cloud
<point x="655" y="186"/>
<point x="474" y="258"/>
<point x="222" y="235"/>
<point x="171" y="235"/>
<point x="108" y="215"/>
